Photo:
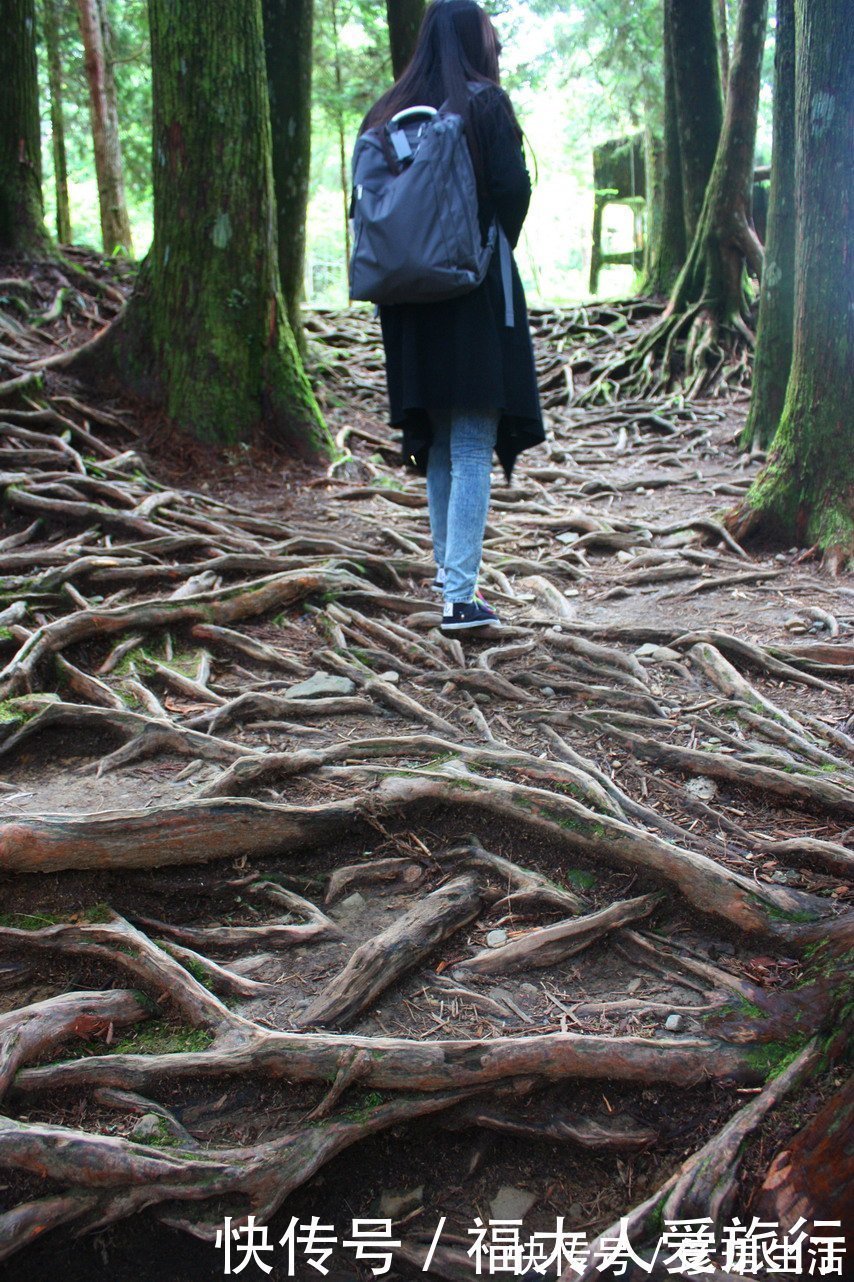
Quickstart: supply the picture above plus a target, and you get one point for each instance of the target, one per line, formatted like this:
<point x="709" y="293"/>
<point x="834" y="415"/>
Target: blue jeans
<point x="458" y="477"/>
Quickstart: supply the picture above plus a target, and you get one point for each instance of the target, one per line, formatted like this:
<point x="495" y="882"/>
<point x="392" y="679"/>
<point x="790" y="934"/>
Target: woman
<point x="461" y="379"/>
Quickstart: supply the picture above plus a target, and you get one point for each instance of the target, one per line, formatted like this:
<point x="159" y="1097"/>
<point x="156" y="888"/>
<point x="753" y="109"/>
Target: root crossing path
<point x="546" y="922"/>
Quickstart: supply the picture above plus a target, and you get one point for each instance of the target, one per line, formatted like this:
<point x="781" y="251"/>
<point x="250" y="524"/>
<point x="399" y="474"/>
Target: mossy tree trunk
<point x="288" y="32"/>
<point x="404" y="23"/>
<point x="666" y="231"/>
<point x="22" y="228"/>
<point x="57" y="121"/>
<point x="103" y="111"/>
<point x="206" y="332"/>
<point x="699" y="101"/>
<point x="712" y="286"/>
<point x="777" y="302"/>
<point x="805" y="494"/>
<point x="723" y="42"/>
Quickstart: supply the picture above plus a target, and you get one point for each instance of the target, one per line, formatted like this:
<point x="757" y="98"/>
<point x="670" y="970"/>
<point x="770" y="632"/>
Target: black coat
<point x="460" y="354"/>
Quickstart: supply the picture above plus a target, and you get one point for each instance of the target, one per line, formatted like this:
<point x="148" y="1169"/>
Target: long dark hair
<point x="457" y="46"/>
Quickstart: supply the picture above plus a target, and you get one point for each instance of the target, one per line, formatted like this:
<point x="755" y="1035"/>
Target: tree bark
<point x="22" y="228"/>
<point x="777" y="303"/>
<point x="57" y="122"/>
<point x="713" y="276"/>
<point x="95" y="32"/>
<point x="342" y="138"/>
<point x="806" y="492"/>
<point x="699" y="101"/>
<point x="404" y="23"/>
<point x="667" y="245"/>
<point x="206" y="332"/>
<point x="288" y="31"/>
<point x="723" y="43"/>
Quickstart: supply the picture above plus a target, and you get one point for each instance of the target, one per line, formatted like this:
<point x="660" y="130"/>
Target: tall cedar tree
<point x="404" y="23"/>
<point x="206" y="332"/>
<point x="57" y="121"/>
<point x="22" y="228"/>
<point x="103" y="112"/>
<point x="699" y="101"/>
<point x="805" y="494"/>
<point x="666" y="244"/>
<point x="777" y="302"/>
<point x="288" y="42"/>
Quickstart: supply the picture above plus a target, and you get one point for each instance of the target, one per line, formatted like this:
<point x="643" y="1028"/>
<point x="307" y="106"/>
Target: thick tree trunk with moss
<point x="805" y="494"/>
<point x="777" y="302"/>
<point x="699" y="101"/>
<point x="57" y="121"/>
<point x="206" y="332"/>
<point x="666" y="234"/>
<point x="22" y="227"/>
<point x="712" y="283"/>
<point x="404" y="23"/>
<point x="95" y="32"/>
<point x="288" y="45"/>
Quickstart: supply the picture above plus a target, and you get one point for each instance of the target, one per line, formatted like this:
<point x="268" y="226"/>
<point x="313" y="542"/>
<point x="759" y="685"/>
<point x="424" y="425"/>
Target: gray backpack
<point x="416" y="233"/>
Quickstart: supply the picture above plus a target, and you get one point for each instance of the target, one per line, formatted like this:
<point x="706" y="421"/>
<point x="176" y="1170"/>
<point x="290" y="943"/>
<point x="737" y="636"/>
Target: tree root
<point x="206" y="830"/>
<point x="381" y="960"/>
<point x="552" y="944"/>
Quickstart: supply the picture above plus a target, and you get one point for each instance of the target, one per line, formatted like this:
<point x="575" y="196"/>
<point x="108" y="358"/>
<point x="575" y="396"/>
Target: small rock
<point x="663" y="652"/>
<point x="149" y="1127"/>
<point x="480" y="697"/>
<point x="351" y="906"/>
<point x="568" y="536"/>
<point x="395" y="1203"/>
<point x="575" y="1211"/>
<point x="320" y="685"/>
<point x="496" y="938"/>
<point x="647" y="650"/>
<point x="390" y="676"/>
<point x="634" y="985"/>
<point x="785" y="878"/>
<point x="529" y="988"/>
<point x="702" y="788"/>
<point x="548" y="691"/>
<point x="673" y="1023"/>
<point x="511" y="1204"/>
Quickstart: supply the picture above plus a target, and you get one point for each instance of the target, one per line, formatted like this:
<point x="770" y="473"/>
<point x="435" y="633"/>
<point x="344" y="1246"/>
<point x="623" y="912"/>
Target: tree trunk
<point x="206" y="332"/>
<point x="22" y="228"/>
<point x="777" y="303"/>
<point x="57" y="122"/>
<point x="699" y="102"/>
<point x="712" y="281"/>
<point x="723" y="43"/>
<point x="288" y="45"/>
<point x="95" y="31"/>
<point x="342" y="136"/>
<point x="666" y="237"/>
<point x="404" y="23"/>
<point x="806" y="492"/>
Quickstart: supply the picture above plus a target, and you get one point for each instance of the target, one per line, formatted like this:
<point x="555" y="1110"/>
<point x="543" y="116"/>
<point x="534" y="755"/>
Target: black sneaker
<point x="458" y="616"/>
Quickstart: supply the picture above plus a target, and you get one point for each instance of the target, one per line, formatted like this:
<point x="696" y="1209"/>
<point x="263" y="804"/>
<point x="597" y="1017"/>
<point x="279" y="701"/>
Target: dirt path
<point x="519" y="923"/>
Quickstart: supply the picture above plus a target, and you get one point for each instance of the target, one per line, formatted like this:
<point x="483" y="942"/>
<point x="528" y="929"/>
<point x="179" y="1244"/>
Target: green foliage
<point x="132" y="70"/>
<point x="27" y="921"/>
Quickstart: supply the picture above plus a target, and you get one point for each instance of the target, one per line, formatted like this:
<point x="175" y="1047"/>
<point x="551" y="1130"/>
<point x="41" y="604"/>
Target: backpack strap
<point x="506" y="260"/>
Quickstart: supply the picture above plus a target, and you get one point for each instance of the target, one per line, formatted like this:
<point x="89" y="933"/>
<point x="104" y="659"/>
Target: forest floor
<point x="507" y="926"/>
